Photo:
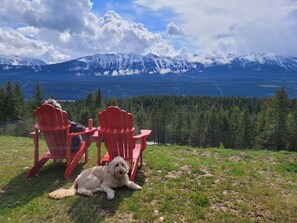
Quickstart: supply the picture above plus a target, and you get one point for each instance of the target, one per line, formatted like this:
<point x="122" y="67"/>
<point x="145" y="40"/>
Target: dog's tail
<point x="61" y="193"/>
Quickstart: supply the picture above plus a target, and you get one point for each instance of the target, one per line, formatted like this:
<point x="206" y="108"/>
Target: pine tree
<point x="159" y="124"/>
<point x="211" y="128"/>
<point x="234" y="117"/>
<point x="291" y="137"/>
<point x="265" y="126"/>
<point x="38" y="96"/>
<point x="20" y="102"/>
<point x="99" y="99"/>
<point x="179" y="125"/>
<point x="280" y="111"/>
<point x="10" y="102"/>
<point x="245" y="130"/>
<point x="84" y="116"/>
<point x="197" y="134"/>
<point x="112" y="101"/>
<point x="3" y="114"/>
<point x="223" y="128"/>
<point x="90" y="104"/>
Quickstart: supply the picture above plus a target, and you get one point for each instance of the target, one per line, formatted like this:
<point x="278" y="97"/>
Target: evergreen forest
<point x="199" y="121"/>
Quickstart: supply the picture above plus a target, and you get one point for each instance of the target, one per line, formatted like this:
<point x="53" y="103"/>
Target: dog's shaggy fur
<point x="99" y="178"/>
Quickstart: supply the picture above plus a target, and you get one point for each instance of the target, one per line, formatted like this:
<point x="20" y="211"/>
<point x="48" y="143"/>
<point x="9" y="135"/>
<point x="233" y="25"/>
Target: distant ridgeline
<point x="127" y="75"/>
<point x="226" y="122"/>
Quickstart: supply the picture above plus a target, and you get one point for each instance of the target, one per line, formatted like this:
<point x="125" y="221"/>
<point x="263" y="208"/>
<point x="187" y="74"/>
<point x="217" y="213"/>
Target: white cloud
<point x="28" y="31"/>
<point x="51" y="14"/>
<point x="235" y="25"/>
<point x="72" y="30"/>
<point x="64" y="37"/>
<point x="56" y="30"/>
<point x="13" y="42"/>
<point x="173" y="29"/>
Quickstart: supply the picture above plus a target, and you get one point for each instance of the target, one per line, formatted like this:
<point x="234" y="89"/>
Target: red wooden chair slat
<point x="117" y="129"/>
<point x="54" y="125"/>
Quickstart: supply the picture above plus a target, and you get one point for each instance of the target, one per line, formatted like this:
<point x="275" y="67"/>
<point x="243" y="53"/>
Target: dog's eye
<point x="117" y="164"/>
<point x="122" y="164"/>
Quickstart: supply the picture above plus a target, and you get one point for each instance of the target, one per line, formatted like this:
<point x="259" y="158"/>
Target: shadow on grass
<point x="21" y="190"/>
<point x="98" y="208"/>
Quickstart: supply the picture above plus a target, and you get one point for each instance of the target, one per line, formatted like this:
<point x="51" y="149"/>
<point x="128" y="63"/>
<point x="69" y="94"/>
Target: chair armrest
<point x="96" y="135"/>
<point x="86" y="132"/>
<point x="32" y="134"/>
<point x="143" y="133"/>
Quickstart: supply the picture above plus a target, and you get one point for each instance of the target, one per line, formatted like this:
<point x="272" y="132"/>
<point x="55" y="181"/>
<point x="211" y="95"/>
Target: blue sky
<point x="59" y="30"/>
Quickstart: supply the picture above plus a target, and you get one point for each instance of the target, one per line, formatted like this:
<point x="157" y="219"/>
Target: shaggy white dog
<point x="99" y="178"/>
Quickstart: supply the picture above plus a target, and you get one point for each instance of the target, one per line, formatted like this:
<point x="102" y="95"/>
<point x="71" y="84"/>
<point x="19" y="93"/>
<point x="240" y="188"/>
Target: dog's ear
<point x="127" y="166"/>
<point x="110" y="168"/>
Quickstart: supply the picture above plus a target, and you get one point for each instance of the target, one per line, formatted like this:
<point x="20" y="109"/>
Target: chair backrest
<point x="116" y="126"/>
<point x="53" y="124"/>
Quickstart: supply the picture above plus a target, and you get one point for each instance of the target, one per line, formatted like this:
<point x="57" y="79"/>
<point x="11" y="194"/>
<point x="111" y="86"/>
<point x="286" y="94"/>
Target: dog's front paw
<point x="137" y="187"/>
<point x="133" y="186"/>
<point x="110" y="195"/>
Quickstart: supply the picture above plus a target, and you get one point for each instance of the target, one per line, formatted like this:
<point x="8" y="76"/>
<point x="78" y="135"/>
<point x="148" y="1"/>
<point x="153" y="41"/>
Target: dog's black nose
<point x="121" y="172"/>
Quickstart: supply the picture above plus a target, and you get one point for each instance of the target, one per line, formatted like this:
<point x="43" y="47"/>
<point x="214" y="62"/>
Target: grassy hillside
<point x="180" y="184"/>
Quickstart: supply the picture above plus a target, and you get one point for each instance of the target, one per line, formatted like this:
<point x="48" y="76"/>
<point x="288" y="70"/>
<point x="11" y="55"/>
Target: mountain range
<point x="125" y="75"/>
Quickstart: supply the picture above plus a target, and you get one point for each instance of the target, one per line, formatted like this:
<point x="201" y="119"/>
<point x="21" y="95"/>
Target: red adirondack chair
<point x="116" y="127"/>
<point x="54" y="125"/>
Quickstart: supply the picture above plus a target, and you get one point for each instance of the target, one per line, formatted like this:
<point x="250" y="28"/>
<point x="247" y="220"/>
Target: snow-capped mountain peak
<point x="20" y="61"/>
<point x="115" y="64"/>
<point x="128" y="64"/>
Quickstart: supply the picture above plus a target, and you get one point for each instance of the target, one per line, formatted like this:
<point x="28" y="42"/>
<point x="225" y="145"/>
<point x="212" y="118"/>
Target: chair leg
<point x="134" y="168"/>
<point x="141" y="159"/>
<point x="133" y="172"/>
<point x="70" y="168"/>
<point x="33" y="171"/>
<point x="86" y="155"/>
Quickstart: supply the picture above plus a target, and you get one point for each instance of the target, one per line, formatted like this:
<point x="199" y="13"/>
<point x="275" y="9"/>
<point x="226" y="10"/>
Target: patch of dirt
<point x="124" y="217"/>
<point x="186" y="168"/>
<point x="218" y="181"/>
<point x="225" y="207"/>
<point x="177" y="173"/>
<point x="205" y="171"/>
<point x="269" y="160"/>
<point x="206" y="154"/>
<point x="174" y="174"/>
<point x="234" y="158"/>
<point x="255" y="212"/>
<point x="209" y="154"/>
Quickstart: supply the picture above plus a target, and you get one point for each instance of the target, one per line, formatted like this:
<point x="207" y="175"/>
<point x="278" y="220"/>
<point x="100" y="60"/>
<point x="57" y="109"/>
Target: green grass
<point x="179" y="184"/>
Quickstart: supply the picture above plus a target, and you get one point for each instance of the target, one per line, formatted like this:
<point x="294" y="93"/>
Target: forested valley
<point x="199" y="121"/>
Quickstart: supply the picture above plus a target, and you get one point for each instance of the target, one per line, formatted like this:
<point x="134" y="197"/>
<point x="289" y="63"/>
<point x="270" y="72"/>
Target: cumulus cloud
<point x="28" y="31"/>
<point x="235" y="25"/>
<point x="57" y="30"/>
<point x="13" y="42"/>
<point x="64" y="37"/>
<point x="51" y="14"/>
<point x="173" y="29"/>
<point x="71" y="30"/>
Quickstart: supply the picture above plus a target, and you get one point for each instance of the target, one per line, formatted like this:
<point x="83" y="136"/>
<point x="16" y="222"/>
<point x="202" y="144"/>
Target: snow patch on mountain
<point x="133" y="64"/>
<point x="117" y="64"/>
<point x="20" y="61"/>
